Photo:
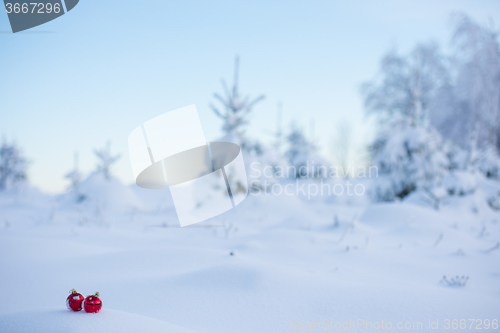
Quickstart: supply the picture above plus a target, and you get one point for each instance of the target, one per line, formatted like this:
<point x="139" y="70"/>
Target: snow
<point x="101" y="192"/>
<point x="428" y="251"/>
<point x="270" y="260"/>
<point x="459" y="182"/>
<point x="58" y="320"/>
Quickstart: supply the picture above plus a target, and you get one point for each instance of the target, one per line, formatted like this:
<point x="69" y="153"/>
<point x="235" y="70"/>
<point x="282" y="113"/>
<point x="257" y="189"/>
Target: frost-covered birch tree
<point x="467" y="112"/>
<point x="105" y="160"/>
<point x="406" y="85"/>
<point x="342" y="145"/>
<point x="408" y="151"/>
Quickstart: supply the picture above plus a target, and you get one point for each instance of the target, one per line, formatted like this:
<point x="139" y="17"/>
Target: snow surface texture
<point x="61" y="321"/>
<point x="268" y="261"/>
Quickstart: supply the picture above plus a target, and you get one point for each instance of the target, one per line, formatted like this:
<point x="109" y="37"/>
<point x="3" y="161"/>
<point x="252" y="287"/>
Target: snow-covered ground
<point x="272" y="264"/>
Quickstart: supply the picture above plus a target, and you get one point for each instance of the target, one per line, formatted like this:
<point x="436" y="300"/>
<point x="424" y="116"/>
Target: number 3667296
<point x="32" y="7"/>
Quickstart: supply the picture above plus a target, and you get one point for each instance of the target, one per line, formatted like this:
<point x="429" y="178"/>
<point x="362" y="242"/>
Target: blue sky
<point x="99" y="71"/>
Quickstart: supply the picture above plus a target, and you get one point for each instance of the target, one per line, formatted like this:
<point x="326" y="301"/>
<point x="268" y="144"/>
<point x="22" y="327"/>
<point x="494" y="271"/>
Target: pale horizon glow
<point x="96" y="73"/>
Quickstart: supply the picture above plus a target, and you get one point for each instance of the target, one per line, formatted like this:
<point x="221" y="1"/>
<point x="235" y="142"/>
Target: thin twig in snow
<point x="496" y="247"/>
<point x="440" y="238"/>
<point x="349" y="227"/>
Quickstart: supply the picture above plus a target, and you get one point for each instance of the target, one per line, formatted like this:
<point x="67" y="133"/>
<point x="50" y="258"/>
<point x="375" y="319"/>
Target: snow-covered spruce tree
<point x="234" y="112"/>
<point x="105" y="160"/>
<point x="408" y="151"/>
<point x="13" y="165"/>
<point x="467" y="111"/>
<point x="302" y="155"/>
<point x="75" y="178"/>
<point x="100" y="195"/>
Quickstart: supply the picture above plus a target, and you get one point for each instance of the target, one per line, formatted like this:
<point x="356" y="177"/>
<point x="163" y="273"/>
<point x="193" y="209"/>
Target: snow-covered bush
<point x="100" y="199"/>
<point x="494" y="202"/>
<point x="407" y="159"/>
<point x="13" y="165"/>
<point x="489" y="163"/>
<point x="107" y="194"/>
<point x="459" y="183"/>
<point x="100" y="195"/>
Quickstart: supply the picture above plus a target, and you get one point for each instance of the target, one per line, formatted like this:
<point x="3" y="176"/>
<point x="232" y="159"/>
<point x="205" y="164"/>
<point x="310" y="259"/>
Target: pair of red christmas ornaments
<point x="91" y="304"/>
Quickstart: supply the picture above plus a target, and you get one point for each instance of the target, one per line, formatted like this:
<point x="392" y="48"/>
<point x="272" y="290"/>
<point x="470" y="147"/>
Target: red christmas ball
<point x="74" y="301"/>
<point x="92" y="303"/>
